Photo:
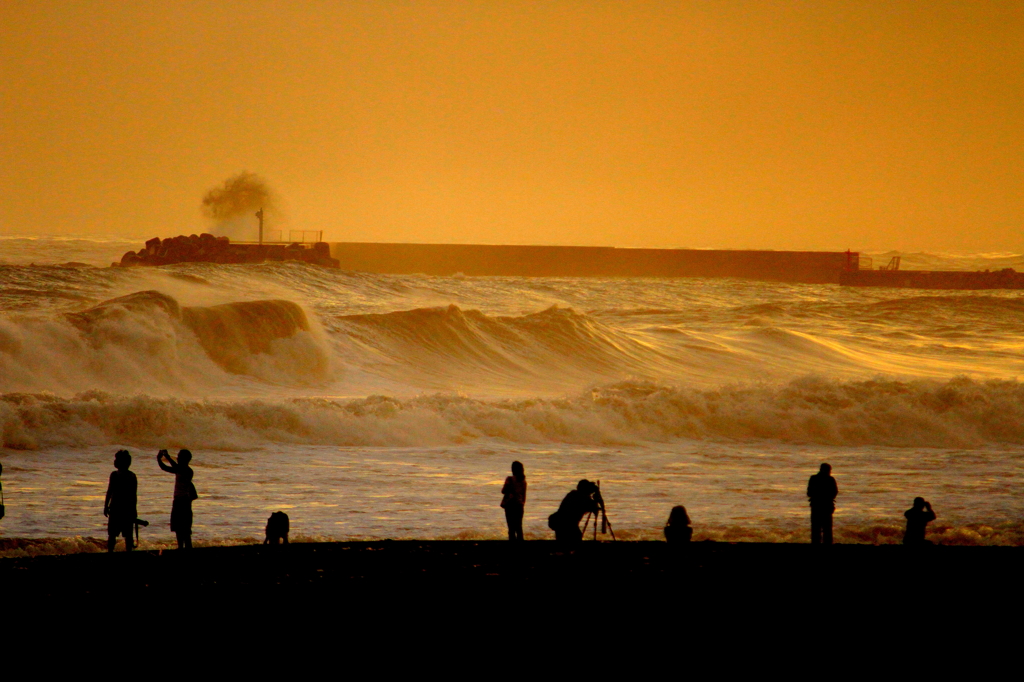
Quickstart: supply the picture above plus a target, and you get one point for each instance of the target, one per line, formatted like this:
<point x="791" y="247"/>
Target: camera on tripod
<point x="585" y="501"/>
<point x="606" y="525"/>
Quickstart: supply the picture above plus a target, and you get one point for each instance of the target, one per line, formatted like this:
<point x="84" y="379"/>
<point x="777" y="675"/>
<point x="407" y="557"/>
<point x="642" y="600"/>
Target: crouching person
<point x="575" y="505"/>
<point x="277" y="529"/>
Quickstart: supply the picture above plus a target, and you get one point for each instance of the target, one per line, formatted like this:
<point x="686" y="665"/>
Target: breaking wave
<point x="147" y="342"/>
<point x="955" y="413"/>
<point x="556" y="342"/>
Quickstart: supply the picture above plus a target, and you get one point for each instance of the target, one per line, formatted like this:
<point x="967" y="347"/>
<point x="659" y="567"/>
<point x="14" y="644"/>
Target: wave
<point x="974" y="304"/>
<point x="147" y="342"/>
<point x="955" y="413"/>
<point x="555" y="344"/>
<point x="409" y="334"/>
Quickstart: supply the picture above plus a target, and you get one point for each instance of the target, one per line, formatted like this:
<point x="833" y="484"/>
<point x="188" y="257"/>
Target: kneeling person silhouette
<point x="121" y="503"/>
<point x="566" y="521"/>
<point x="277" y="529"/>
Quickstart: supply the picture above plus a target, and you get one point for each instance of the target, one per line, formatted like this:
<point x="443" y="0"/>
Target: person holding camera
<point x="586" y="499"/>
<point x="822" y="490"/>
<point x="184" y="493"/>
<point x="918" y="518"/>
<point x="120" y="506"/>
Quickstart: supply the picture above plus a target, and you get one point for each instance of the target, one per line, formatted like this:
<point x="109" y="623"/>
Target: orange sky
<point x="817" y="125"/>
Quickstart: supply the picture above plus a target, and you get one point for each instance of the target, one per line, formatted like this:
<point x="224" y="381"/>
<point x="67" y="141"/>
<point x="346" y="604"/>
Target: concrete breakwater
<point x="814" y="267"/>
<point x="206" y="248"/>
<point x="1007" y="278"/>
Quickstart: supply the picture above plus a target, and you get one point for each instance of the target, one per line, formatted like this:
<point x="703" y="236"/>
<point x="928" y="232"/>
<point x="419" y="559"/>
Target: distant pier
<point x="811" y="267"/>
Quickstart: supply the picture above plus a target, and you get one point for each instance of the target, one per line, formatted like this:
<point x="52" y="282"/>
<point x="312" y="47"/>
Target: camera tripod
<point x="606" y="525"/>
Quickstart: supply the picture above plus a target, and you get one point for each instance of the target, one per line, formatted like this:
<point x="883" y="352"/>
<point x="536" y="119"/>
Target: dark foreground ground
<point x="329" y="570"/>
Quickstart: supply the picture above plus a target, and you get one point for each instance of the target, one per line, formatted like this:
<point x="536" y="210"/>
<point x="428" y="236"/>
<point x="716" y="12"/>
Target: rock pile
<point x="205" y="248"/>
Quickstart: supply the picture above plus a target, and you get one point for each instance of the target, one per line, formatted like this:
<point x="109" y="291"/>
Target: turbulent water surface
<point x="390" y="406"/>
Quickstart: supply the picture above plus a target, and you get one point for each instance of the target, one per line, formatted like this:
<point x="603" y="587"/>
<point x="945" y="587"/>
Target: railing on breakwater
<point x="306" y="238"/>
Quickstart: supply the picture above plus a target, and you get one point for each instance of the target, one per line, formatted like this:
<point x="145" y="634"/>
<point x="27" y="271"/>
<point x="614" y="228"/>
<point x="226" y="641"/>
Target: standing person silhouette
<point x="184" y="493"/>
<point x="514" y="500"/>
<point x="120" y="506"/>
<point x="918" y="518"/>
<point x="3" y="509"/>
<point x="822" y="491"/>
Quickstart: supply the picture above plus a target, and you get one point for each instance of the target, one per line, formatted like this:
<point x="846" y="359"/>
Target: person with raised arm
<point x="184" y="493"/>
<point x="918" y="518"/>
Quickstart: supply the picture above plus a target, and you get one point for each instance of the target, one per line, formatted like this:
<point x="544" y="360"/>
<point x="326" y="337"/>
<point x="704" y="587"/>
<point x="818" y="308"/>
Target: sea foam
<point x="956" y="413"/>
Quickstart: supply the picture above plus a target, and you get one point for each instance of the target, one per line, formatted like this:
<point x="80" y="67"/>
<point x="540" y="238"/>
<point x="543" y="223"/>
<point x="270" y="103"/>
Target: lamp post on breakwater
<point x="259" y="214"/>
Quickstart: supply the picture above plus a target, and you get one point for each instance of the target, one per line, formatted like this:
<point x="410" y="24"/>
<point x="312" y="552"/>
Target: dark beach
<point x="331" y="569"/>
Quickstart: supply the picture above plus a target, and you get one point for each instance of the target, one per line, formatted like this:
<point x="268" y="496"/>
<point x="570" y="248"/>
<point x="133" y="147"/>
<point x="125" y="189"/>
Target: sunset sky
<point x="807" y="125"/>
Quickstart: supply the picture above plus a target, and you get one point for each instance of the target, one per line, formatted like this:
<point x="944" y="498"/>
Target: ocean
<point x="382" y="406"/>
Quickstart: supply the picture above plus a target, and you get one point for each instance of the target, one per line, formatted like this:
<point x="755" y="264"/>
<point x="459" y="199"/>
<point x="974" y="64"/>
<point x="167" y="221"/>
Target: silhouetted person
<point x="184" y="493"/>
<point x="277" y="529"/>
<point x="120" y="506"/>
<point x="566" y="521"/>
<point x="514" y="500"/>
<point x="677" y="530"/>
<point x="3" y="509"/>
<point x="822" y="491"/>
<point x="918" y="518"/>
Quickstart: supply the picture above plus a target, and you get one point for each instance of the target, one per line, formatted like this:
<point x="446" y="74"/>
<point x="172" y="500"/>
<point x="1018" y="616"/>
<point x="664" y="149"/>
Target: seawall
<point x="813" y="267"/>
<point x="923" y="279"/>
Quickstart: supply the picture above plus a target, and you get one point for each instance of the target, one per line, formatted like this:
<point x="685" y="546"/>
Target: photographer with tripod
<point x="583" y="501"/>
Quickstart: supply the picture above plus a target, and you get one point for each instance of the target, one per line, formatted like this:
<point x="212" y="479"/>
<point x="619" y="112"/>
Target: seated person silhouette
<point x="678" y="530"/>
<point x="566" y="521"/>
<point x="120" y="504"/>
<point x="918" y="518"/>
<point x="277" y="529"/>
